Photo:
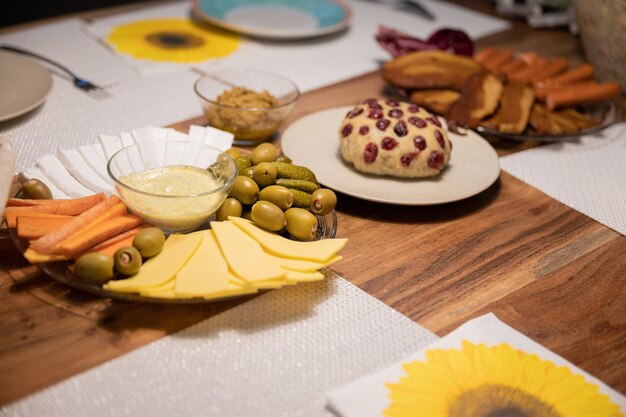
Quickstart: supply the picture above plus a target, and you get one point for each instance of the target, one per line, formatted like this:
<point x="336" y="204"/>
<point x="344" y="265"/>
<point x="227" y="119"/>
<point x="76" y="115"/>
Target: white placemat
<point x="588" y="175"/>
<point x="368" y="396"/>
<point x="273" y="356"/>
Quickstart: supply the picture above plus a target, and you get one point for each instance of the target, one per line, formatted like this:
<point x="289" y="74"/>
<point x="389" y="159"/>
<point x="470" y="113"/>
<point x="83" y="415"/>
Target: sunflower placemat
<point x="482" y="369"/>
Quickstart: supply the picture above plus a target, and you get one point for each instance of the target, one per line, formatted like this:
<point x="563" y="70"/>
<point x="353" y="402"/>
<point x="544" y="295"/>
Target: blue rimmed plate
<point x="276" y="19"/>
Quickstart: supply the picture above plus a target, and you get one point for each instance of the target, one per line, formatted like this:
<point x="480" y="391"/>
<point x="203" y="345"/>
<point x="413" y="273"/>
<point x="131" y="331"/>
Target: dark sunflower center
<point x="175" y="40"/>
<point x="494" y="400"/>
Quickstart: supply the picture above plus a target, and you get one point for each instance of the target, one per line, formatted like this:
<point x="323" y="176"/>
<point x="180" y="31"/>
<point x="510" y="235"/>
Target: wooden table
<point x="552" y="273"/>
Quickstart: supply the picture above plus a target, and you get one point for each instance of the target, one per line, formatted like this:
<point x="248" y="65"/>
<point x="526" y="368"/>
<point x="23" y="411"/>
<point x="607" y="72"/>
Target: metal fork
<point x="87" y="86"/>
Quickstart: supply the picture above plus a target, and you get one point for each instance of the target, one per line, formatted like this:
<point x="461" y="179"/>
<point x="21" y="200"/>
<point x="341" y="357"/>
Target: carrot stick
<point x="69" y="207"/>
<point x="131" y="233"/>
<point x="93" y="235"/>
<point x="580" y="73"/>
<point x="110" y="250"/>
<point x="555" y="67"/>
<point x="12" y="220"/>
<point x="524" y="75"/>
<point x="501" y="58"/>
<point x="45" y="244"/>
<point x="25" y="202"/>
<point x="485" y="53"/>
<point x="513" y="66"/>
<point x="581" y="93"/>
<point x="33" y="227"/>
<point x="531" y="58"/>
<point x="118" y="209"/>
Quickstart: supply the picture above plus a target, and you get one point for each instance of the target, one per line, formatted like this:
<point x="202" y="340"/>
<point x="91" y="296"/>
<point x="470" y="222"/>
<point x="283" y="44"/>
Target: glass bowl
<point x="248" y="117"/>
<point x="174" y="185"/>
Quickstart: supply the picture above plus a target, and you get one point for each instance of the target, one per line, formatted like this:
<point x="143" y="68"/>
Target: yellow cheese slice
<point x="35" y="257"/>
<point x="161" y="268"/>
<point x="317" y="251"/>
<point x="244" y="255"/>
<point x="303" y="265"/>
<point x="206" y="272"/>
<point x="299" y="276"/>
<point x="167" y="294"/>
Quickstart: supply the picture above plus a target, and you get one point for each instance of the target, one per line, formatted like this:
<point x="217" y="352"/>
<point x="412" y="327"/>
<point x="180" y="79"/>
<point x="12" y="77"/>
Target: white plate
<point x="313" y="141"/>
<point x="276" y="19"/>
<point x="24" y="85"/>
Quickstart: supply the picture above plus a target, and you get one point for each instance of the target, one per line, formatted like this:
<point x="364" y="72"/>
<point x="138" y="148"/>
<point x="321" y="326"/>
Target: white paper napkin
<point x="273" y="356"/>
<point x="368" y="397"/>
<point x="588" y="175"/>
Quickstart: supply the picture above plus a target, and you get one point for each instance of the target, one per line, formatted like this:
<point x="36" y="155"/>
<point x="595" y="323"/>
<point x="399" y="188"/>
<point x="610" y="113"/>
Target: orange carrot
<point x="485" y="53"/>
<point x="129" y="234"/>
<point x="45" y="244"/>
<point x="25" y="202"/>
<point x="555" y="67"/>
<point x="524" y="75"/>
<point x="580" y="73"/>
<point x="12" y="219"/>
<point x="33" y="227"/>
<point x="495" y="62"/>
<point x="531" y="58"/>
<point x="69" y="207"/>
<point x="91" y="236"/>
<point x="110" y="250"/>
<point x="578" y="93"/>
<point x="513" y="66"/>
<point x="118" y="209"/>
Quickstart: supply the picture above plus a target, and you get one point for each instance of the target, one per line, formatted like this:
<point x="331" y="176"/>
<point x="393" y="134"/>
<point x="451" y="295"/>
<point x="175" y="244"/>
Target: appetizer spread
<point x="389" y="137"/>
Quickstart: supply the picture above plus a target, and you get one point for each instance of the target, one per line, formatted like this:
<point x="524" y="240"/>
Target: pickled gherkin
<point x="300" y="198"/>
<point x="243" y="162"/>
<point x="302" y="185"/>
<point x="296" y="172"/>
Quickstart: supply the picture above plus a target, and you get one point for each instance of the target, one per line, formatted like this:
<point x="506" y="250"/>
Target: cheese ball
<point x="388" y="137"/>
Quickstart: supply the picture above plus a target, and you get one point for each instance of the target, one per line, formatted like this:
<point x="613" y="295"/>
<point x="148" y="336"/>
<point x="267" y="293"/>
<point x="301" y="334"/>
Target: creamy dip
<point x="180" y="204"/>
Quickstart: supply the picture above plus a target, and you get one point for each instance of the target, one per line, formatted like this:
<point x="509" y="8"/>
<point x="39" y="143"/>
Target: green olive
<point x="245" y="190"/>
<point x="268" y="216"/>
<point x="264" y="174"/>
<point x="94" y="267"/>
<point x="265" y="152"/>
<point x="243" y="162"/>
<point x="127" y="260"/>
<point x="277" y="194"/>
<point x="149" y="241"/>
<point x="284" y="158"/>
<point x="233" y="152"/>
<point x="301" y="223"/>
<point x="36" y="190"/>
<point x="230" y="207"/>
<point x="323" y="201"/>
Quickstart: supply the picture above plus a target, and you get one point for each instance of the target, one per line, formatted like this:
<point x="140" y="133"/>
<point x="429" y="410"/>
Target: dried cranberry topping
<point x="354" y="112"/>
<point x="434" y="121"/>
<point x="375" y="114"/>
<point x="370" y="152"/>
<point x="419" y="142"/>
<point x="370" y="101"/>
<point x="439" y="137"/>
<point x="416" y="121"/>
<point x="383" y="124"/>
<point x="388" y="143"/>
<point x="395" y="113"/>
<point x="407" y="158"/>
<point x="435" y="161"/>
<point x="413" y="108"/>
<point x="347" y="129"/>
<point x="364" y="130"/>
<point x="392" y="103"/>
<point x="401" y="128"/>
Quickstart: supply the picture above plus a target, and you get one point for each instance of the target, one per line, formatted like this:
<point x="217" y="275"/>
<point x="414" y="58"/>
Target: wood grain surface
<point x="545" y="269"/>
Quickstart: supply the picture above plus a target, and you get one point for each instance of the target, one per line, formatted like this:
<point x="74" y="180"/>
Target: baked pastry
<point x="435" y="100"/>
<point x="479" y="98"/>
<point x="388" y="137"/>
<point x="515" y="103"/>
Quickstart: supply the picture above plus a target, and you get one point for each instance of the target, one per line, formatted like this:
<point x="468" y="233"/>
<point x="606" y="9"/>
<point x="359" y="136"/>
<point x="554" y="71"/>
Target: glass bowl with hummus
<point x="251" y="104"/>
<point x="175" y="185"/>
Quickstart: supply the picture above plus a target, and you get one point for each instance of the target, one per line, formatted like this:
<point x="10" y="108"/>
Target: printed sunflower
<point x="498" y="381"/>
<point x="172" y="40"/>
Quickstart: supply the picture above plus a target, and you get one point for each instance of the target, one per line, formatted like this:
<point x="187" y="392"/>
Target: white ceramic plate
<point x="276" y="19"/>
<point x="24" y="85"/>
<point x="313" y="141"/>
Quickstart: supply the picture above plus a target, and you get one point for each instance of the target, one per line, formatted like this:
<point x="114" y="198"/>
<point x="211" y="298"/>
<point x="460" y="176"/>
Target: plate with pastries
<point x="502" y="93"/>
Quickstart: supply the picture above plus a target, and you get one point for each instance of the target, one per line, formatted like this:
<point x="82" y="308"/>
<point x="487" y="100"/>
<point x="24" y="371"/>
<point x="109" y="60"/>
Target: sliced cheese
<point x="303" y="265"/>
<point x="244" y="255"/>
<point x="206" y="273"/>
<point x="35" y="257"/>
<point x="161" y="268"/>
<point x="318" y="251"/>
<point x="299" y="276"/>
